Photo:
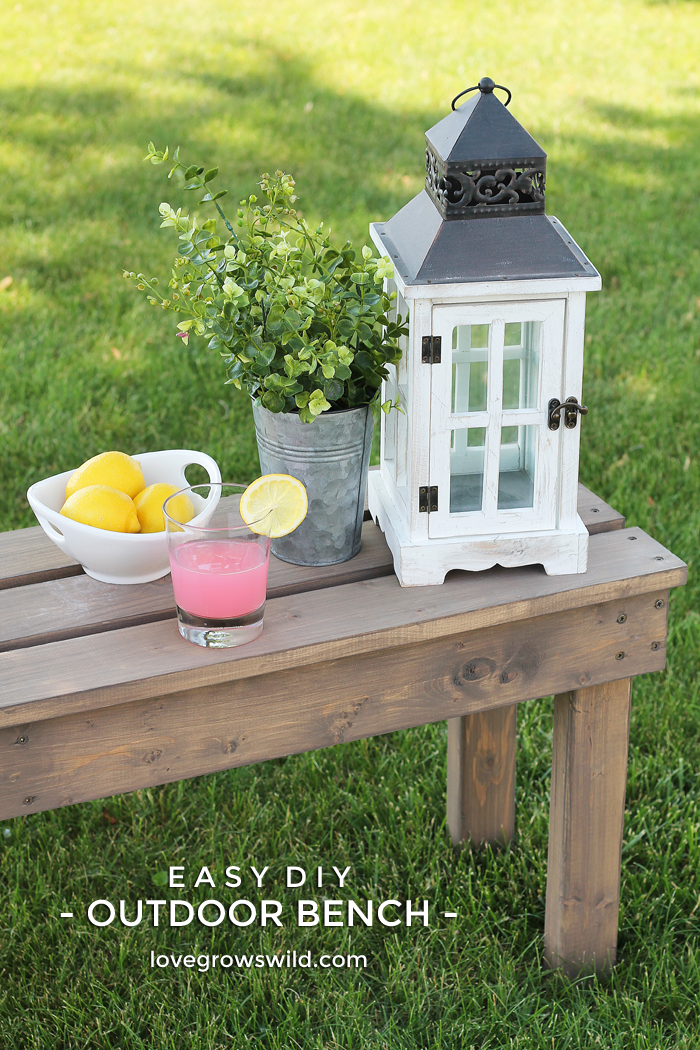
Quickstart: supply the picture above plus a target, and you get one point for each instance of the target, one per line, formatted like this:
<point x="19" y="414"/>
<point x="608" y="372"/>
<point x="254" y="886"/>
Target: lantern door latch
<point x="427" y="499"/>
<point x="431" y="349"/>
<point x="571" y="408"/>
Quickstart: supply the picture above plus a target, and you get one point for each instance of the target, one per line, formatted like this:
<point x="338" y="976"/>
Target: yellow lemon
<point x="149" y="507"/>
<point x="274" y="505"/>
<point x="115" y="469"/>
<point x="103" y="507"/>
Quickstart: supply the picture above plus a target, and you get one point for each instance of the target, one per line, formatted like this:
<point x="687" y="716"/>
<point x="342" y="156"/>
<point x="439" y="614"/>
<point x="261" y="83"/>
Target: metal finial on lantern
<point x="474" y="473"/>
<point x="486" y="85"/>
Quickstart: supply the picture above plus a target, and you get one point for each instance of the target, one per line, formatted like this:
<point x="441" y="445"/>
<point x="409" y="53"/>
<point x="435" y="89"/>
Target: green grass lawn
<point x="340" y="94"/>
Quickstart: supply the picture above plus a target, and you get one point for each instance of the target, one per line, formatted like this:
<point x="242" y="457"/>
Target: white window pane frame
<point x="543" y="514"/>
<point x="461" y="376"/>
<point x="520" y="353"/>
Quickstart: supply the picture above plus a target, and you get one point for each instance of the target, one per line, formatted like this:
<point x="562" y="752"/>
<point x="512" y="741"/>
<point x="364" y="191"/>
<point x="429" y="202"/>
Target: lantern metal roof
<point x="481" y="215"/>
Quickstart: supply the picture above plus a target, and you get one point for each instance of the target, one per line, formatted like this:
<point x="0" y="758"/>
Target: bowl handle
<point x="53" y="534"/>
<point x="201" y="458"/>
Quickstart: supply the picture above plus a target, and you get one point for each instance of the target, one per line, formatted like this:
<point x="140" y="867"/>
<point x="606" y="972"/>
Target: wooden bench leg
<point x="589" y="770"/>
<point x="481" y="776"/>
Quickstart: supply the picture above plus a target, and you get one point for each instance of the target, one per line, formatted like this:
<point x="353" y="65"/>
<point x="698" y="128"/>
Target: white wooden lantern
<point x="482" y="466"/>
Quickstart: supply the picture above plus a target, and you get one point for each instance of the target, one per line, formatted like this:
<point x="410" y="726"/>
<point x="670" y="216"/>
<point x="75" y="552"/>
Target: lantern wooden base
<point x="425" y="562"/>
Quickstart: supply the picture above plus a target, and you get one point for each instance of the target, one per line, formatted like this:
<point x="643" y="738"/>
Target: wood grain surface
<point x="589" y="770"/>
<point x="481" y="748"/>
<point x="481" y="777"/>
<point x="28" y="556"/>
<point x="302" y="629"/>
<point x="597" y="515"/>
<point x="83" y="755"/>
<point x="66" y="608"/>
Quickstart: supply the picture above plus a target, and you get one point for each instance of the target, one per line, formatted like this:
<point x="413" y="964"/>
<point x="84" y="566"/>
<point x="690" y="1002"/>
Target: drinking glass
<point x="219" y="570"/>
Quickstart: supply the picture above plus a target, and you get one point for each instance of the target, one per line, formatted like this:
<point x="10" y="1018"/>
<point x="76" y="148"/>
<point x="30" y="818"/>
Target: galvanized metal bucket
<point x="331" y="457"/>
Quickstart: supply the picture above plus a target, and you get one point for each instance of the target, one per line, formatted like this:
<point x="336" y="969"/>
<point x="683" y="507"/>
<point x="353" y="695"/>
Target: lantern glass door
<point x="492" y="455"/>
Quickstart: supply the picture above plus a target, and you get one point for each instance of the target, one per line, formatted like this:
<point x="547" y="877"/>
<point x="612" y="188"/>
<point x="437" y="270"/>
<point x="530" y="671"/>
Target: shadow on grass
<point x="346" y="153"/>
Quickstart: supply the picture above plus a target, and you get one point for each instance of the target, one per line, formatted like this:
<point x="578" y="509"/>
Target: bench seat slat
<point x="67" y="608"/>
<point x="45" y="610"/>
<point x="28" y="556"/>
<point x="302" y="629"/>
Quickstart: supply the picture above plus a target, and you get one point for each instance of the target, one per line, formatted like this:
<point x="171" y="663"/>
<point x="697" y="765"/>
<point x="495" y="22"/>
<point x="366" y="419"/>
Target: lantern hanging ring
<point x="486" y="87"/>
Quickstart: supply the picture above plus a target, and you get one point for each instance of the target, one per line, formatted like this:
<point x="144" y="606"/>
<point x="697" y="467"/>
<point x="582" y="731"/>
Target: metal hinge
<point x="432" y="349"/>
<point x="427" y="499"/>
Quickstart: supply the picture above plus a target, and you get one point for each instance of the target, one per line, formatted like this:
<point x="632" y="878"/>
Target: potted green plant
<point x="305" y="327"/>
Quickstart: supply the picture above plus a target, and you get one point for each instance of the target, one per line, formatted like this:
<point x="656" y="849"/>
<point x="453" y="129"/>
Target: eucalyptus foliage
<point x="301" y="324"/>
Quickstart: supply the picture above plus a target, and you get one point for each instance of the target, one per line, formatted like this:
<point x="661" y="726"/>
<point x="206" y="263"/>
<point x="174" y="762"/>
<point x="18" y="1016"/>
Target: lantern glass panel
<point x="521" y="364"/>
<point x="467" y="454"/>
<point x="470" y="368"/>
<point x="516" y="474"/>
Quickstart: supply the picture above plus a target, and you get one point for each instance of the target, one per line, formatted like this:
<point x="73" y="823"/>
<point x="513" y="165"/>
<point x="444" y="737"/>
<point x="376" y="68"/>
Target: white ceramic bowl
<point x="118" y="557"/>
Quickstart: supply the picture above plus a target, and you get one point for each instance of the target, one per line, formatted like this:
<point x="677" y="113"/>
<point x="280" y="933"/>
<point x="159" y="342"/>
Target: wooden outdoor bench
<point x="100" y="694"/>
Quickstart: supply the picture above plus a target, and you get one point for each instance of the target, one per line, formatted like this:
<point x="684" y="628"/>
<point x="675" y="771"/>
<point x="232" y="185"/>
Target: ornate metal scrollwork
<point x="509" y="185"/>
<point x="459" y="189"/>
<point x="432" y="174"/>
<point x="457" y="193"/>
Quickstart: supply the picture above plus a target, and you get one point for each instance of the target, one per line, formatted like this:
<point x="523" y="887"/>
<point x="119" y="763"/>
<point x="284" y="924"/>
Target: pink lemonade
<point x="219" y="579"/>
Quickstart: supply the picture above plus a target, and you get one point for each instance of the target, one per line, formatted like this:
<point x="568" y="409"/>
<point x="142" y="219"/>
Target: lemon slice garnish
<point x="274" y="505"/>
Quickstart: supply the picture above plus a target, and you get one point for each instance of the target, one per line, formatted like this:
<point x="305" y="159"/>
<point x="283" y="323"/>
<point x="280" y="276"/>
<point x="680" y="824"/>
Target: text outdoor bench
<point x="99" y="694"/>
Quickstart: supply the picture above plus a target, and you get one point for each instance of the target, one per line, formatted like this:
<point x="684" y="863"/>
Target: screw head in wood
<point x="622" y="618"/>
<point x="659" y="603"/>
<point x="654" y="646"/>
<point x="619" y="656"/>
